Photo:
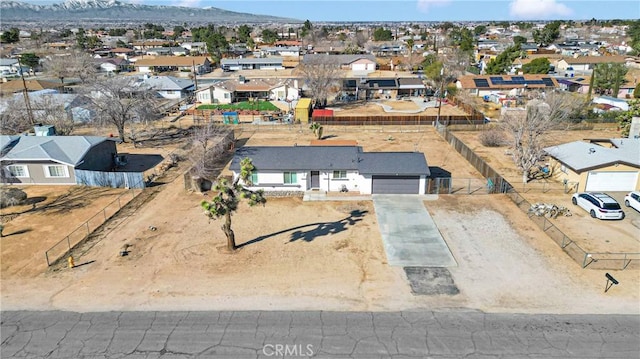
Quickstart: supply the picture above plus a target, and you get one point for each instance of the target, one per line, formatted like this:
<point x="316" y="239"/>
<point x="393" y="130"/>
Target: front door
<point x="315" y="179"/>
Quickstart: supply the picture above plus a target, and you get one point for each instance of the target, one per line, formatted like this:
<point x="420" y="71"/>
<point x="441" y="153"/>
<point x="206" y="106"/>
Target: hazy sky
<point x="417" y="10"/>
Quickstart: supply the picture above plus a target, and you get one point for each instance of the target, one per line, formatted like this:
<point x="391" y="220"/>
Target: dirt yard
<point x="591" y="235"/>
<point x="371" y="108"/>
<point x="313" y="255"/>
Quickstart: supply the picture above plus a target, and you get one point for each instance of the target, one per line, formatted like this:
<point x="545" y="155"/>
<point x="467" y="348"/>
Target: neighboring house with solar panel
<point x="298" y="169"/>
<point x="485" y="85"/>
<point x="381" y="88"/>
<point x="54" y="160"/>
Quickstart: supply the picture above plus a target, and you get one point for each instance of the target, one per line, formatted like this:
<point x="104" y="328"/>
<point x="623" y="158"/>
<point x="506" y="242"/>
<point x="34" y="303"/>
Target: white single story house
<point x="241" y="89"/>
<point x="612" y="101"/>
<point x="610" y="166"/>
<point x="333" y="169"/>
<point x="358" y="63"/>
<point x="170" y="87"/>
<point x="269" y="63"/>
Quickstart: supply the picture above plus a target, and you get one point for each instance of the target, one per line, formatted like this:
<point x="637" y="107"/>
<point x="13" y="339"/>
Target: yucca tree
<point x="229" y="196"/>
<point x="317" y="129"/>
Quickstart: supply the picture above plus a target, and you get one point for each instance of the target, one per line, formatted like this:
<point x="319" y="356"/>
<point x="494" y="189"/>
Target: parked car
<point x="632" y="199"/>
<point x="599" y="205"/>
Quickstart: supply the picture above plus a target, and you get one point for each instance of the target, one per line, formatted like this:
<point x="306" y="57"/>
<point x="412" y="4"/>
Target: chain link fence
<point x="497" y="184"/>
<point x="83" y="231"/>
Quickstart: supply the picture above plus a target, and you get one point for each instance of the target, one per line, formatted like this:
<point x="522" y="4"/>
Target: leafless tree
<point x="58" y="66"/>
<point x="49" y="109"/>
<point x="82" y="65"/>
<point x="76" y="64"/>
<point x="14" y="119"/>
<point x="527" y="128"/>
<point x="121" y="100"/>
<point x="209" y="142"/>
<point x="52" y="110"/>
<point x="321" y="77"/>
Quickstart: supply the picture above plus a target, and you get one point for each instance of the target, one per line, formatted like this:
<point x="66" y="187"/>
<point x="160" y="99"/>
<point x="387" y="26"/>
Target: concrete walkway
<point x="409" y="234"/>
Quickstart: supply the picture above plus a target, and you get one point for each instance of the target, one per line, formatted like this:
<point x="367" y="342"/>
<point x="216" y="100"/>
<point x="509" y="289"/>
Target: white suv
<point x="599" y="205"/>
<point x="632" y="199"/>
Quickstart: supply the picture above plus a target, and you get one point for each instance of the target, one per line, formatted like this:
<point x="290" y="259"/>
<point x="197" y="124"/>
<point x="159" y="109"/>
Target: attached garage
<point x="611" y="181"/>
<point x="395" y="185"/>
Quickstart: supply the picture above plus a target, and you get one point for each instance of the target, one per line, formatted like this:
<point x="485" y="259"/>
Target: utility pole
<point x="25" y="94"/>
<point x="440" y="95"/>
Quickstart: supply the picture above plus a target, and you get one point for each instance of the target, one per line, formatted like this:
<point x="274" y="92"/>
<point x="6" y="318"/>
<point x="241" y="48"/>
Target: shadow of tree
<point x="320" y="229"/>
<point x="26" y="230"/>
<point x="77" y="197"/>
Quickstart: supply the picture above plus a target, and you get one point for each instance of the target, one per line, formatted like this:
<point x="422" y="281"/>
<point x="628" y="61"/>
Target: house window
<point x="227" y="95"/>
<point x="56" y="171"/>
<point x="18" y="171"/>
<point x="170" y="92"/>
<point x="254" y="178"/>
<point x="290" y="178"/>
<point x="339" y="174"/>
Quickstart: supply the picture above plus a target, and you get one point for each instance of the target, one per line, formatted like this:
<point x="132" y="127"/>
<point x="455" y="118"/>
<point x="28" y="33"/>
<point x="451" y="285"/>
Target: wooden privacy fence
<point x="395" y="120"/>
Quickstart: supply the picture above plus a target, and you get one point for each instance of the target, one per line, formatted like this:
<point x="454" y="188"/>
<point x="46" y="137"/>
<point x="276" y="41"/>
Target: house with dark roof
<point x="481" y="85"/>
<point x="334" y="169"/>
<point x="598" y="165"/>
<point x="47" y="160"/>
<point x="380" y="87"/>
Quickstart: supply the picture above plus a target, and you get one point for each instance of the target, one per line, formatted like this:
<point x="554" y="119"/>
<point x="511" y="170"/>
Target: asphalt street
<point x="450" y="334"/>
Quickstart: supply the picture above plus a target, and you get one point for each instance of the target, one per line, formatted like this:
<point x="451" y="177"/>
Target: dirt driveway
<point x="591" y="235"/>
<point x="318" y="256"/>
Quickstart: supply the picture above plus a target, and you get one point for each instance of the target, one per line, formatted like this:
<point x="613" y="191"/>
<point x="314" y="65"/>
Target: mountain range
<point x="105" y="10"/>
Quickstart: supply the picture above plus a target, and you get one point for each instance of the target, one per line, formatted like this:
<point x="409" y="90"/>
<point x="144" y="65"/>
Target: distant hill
<point x="83" y="10"/>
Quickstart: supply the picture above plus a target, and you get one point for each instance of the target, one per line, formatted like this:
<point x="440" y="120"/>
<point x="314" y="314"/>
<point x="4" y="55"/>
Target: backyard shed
<point x="303" y="110"/>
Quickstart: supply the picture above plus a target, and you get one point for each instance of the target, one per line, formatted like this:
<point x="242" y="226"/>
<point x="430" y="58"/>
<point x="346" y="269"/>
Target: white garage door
<point x="611" y="181"/>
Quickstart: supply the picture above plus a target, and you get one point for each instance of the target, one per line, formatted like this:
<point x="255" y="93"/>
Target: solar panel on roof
<point x="481" y="82"/>
<point x="496" y="79"/>
<point x="517" y="78"/>
<point x="547" y="81"/>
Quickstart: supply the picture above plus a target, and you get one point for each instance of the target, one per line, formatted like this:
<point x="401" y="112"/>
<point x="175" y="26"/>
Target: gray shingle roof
<point x="393" y="163"/>
<point x="308" y="158"/>
<point x="168" y="83"/>
<point x="337" y="59"/>
<point x="279" y="158"/>
<point x="69" y="150"/>
<point x="581" y="156"/>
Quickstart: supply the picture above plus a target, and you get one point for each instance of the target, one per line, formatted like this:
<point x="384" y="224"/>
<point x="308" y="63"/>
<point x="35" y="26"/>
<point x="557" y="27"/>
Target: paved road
<point x="410" y="236"/>
<point x="452" y="334"/>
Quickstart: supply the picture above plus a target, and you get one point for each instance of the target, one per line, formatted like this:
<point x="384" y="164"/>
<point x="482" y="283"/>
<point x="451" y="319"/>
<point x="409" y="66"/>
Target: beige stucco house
<point x="611" y="165"/>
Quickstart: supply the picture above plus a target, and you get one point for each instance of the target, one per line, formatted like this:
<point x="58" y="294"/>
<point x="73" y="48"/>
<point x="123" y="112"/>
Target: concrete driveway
<point x="409" y="234"/>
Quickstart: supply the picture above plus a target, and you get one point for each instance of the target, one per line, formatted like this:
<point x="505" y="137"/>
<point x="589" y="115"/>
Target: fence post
<point x="104" y="212"/>
<point x="46" y="255"/>
<point x="584" y="261"/>
<point x="68" y="243"/>
<point x="469" y="186"/>
<point x="87" y="224"/>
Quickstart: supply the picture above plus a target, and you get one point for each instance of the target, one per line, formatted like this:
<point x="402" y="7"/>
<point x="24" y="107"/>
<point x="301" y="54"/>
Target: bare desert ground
<point x="313" y="255"/>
